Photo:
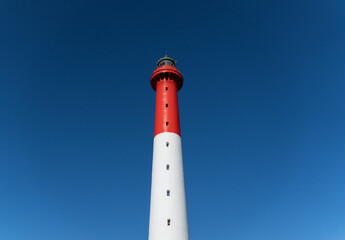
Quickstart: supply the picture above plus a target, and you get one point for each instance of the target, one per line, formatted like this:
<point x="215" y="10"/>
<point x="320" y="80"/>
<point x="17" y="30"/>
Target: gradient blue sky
<point x="262" y="117"/>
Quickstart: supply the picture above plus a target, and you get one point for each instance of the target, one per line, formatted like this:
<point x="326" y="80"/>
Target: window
<point x="168" y="222"/>
<point x="166" y="88"/>
<point x="166" y="105"/>
<point x="167" y="143"/>
<point x="168" y="193"/>
<point x="167" y="166"/>
<point x="166" y="123"/>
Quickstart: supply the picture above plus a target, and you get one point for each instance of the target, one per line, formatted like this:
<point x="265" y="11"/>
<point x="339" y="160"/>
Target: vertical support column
<point x="168" y="212"/>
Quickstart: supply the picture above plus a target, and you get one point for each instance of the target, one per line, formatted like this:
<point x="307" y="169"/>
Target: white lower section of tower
<point x="168" y="213"/>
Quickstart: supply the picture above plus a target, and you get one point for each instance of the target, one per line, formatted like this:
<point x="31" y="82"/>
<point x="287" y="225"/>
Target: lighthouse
<point x="168" y="213"/>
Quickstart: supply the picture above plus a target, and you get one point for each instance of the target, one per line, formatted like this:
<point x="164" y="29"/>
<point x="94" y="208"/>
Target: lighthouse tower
<point x="168" y="213"/>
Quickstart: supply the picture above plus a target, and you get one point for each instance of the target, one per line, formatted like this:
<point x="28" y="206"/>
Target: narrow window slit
<point x="166" y="105"/>
<point x="168" y="222"/>
<point x="166" y="123"/>
<point x="166" y="88"/>
<point x="167" y="144"/>
<point x="168" y="193"/>
<point x="167" y="166"/>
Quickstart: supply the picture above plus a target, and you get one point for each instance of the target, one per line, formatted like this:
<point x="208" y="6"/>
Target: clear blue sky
<point x="262" y="117"/>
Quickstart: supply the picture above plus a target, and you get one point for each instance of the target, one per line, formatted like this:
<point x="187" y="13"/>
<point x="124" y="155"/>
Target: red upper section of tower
<point x="166" y="80"/>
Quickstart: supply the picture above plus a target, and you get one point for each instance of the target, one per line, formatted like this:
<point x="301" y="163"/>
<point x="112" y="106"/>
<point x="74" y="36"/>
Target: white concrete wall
<point x="165" y="207"/>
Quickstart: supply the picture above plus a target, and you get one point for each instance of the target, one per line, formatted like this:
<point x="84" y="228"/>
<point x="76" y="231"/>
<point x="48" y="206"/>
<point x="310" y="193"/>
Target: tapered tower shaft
<point x="168" y="214"/>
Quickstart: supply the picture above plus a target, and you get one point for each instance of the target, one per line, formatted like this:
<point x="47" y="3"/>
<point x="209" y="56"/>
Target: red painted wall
<point x="168" y="114"/>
